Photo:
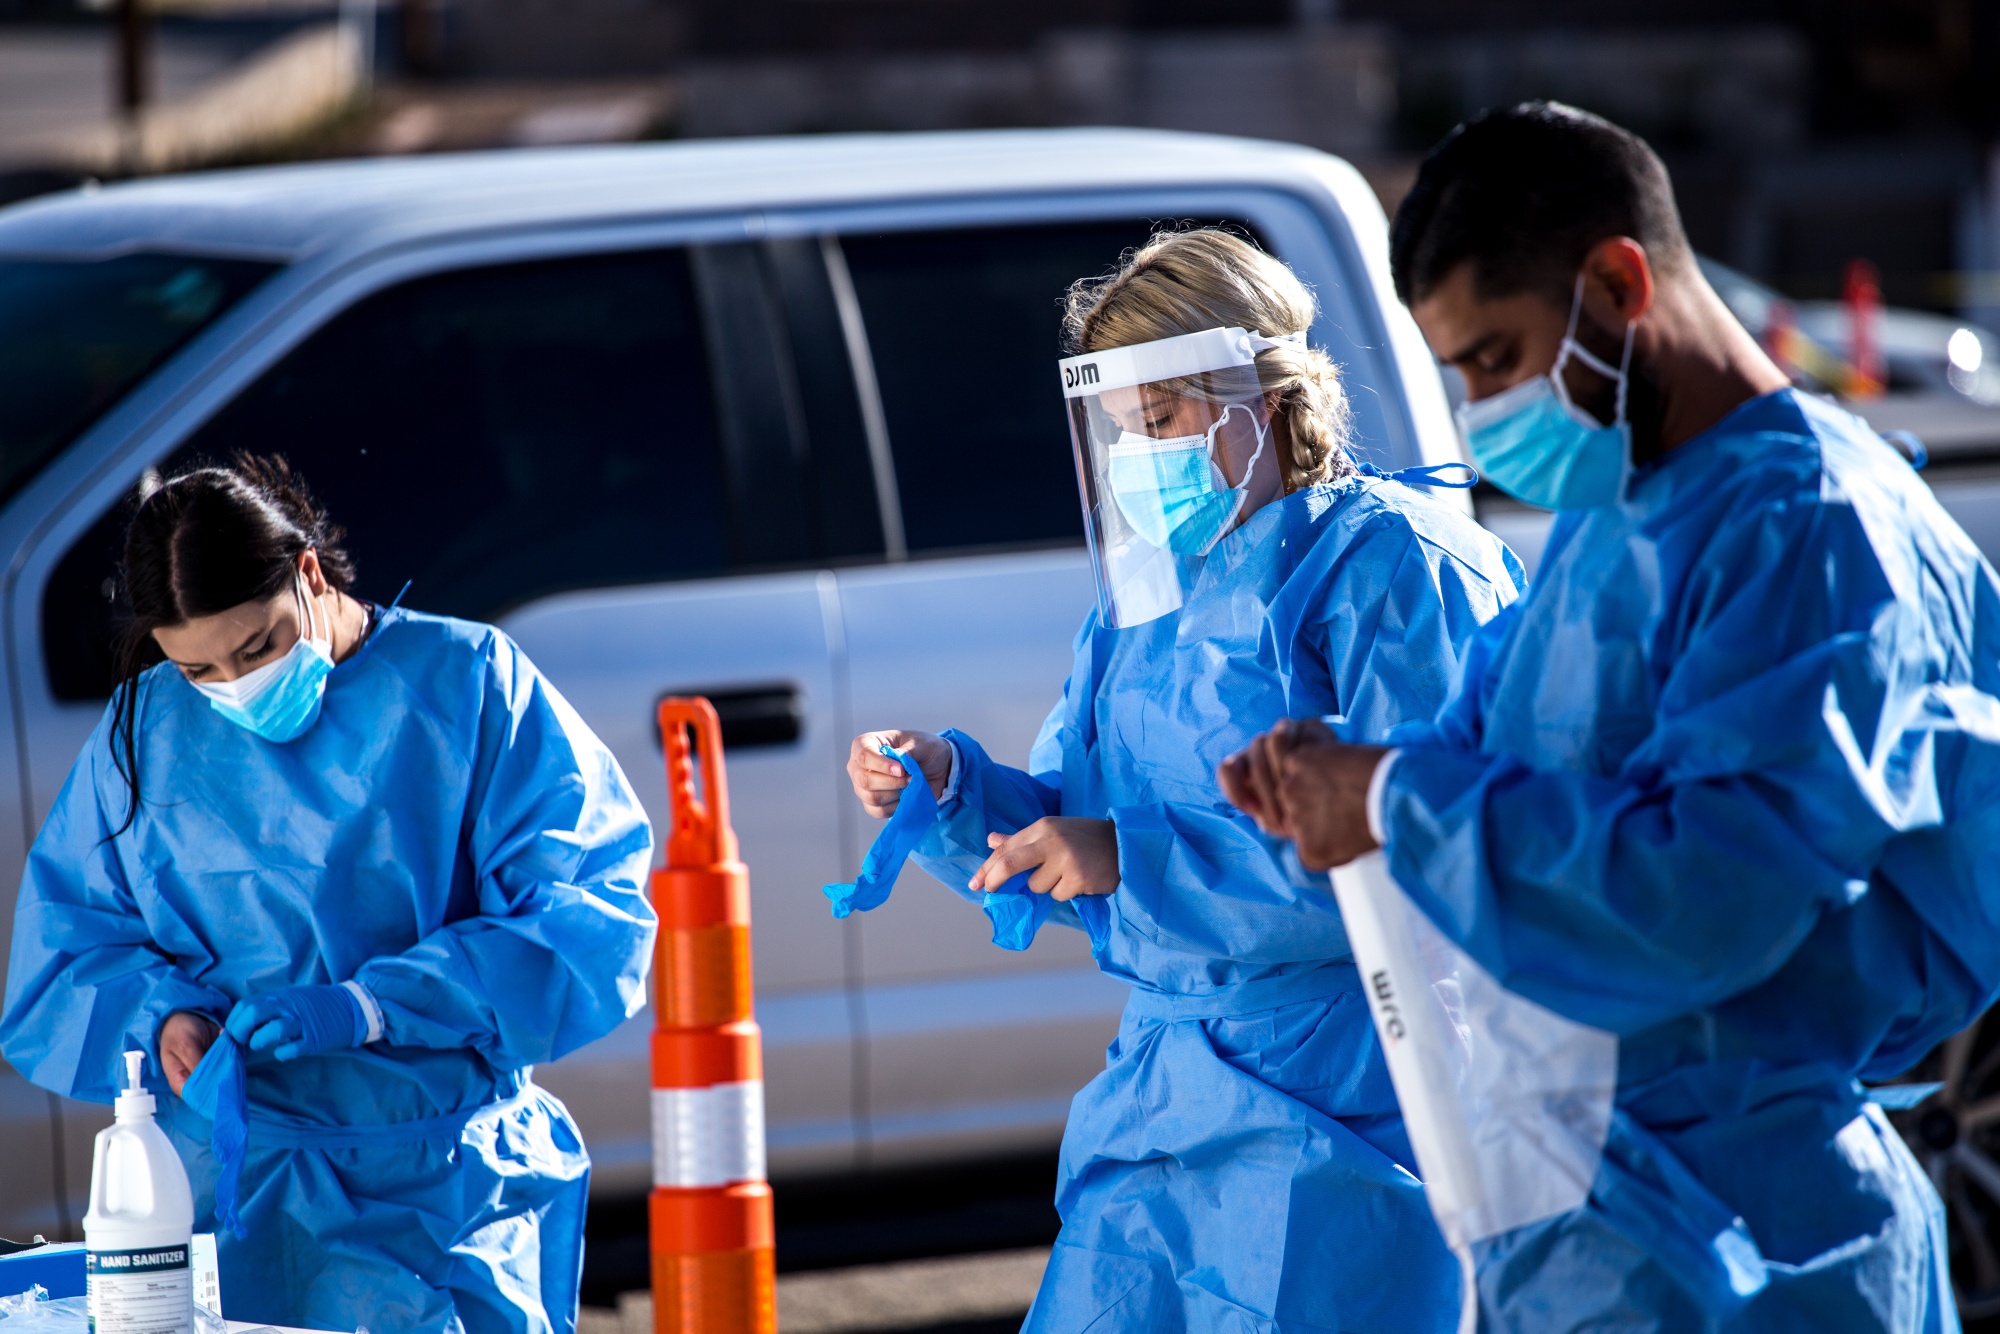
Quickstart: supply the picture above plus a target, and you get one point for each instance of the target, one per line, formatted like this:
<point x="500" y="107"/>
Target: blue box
<point x="58" y="1268"/>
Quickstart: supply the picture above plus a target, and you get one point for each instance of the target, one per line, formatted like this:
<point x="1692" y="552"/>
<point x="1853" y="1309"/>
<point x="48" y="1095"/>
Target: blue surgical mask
<point x="281" y="699"/>
<point x="1172" y="493"/>
<point x="1534" y="443"/>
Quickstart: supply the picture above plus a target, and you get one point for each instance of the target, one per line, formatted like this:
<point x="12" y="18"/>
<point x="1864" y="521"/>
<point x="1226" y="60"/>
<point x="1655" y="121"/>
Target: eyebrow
<point x="1473" y="348"/>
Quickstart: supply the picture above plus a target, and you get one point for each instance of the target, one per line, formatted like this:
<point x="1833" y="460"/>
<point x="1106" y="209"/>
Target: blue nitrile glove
<point x="916" y="811"/>
<point x="299" y="1021"/>
<point x="1015" y="911"/>
<point x="217" y="1089"/>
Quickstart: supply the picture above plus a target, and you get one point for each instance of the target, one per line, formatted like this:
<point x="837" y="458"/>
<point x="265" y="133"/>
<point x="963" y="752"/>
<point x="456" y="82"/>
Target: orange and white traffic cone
<point x="714" y="1255"/>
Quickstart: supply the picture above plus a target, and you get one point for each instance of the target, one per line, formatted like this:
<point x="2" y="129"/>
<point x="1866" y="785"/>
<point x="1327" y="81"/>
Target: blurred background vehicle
<point x="1838" y="159"/>
<point x="1914" y="370"/>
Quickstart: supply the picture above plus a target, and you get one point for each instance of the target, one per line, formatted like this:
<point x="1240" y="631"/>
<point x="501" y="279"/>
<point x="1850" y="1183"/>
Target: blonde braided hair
<point x="1187" y="281"/>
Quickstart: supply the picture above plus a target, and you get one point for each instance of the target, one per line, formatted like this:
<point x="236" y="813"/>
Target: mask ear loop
<point x="1263" y="437"/>
<point x="311" y="606"/>
<point x="1242" y="490"/>
<point x="1625" y="371"/>
<point x="1620" y="373"/>
<point x="1569" y="342"/>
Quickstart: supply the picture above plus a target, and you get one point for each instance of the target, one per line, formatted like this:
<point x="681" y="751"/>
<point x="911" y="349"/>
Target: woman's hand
<point x="879" y="781"/>
<point x="1069" y="856"/>
<point x="184" y="1039"/>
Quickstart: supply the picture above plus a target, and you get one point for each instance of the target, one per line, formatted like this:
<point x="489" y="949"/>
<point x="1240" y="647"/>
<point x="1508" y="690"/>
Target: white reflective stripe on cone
<point x="708" y="1136"/>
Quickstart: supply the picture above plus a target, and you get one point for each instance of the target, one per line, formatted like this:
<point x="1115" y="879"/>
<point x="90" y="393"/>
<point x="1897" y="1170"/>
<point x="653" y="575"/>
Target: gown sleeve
<point x="1200" y="877"/>
<point x="1458" y="722"/>
<point x="556" y="953"/>
<point x="85" y="982"/>
<point x="998" y="798"/>
<point x="1804" y="719"/>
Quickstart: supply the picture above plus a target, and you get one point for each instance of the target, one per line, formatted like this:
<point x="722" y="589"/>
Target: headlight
<point x="1964" y="352"/>
<point x="1972" y="365"/>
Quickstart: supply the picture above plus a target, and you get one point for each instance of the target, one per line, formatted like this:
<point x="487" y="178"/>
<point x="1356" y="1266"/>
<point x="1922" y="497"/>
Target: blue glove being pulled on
<point x="218" y="1090"/>
<point x="300" y="1021"/>
<point x="1016" y="911"/>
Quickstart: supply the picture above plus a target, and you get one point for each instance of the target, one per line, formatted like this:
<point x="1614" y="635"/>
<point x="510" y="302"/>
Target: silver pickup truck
<point x="679" y="418"/>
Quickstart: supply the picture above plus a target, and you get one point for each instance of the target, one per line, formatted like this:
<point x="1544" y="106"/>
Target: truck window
<point x="75" y="335"/>
<point x="965" y="328"/>
<point x="490" y="436"/>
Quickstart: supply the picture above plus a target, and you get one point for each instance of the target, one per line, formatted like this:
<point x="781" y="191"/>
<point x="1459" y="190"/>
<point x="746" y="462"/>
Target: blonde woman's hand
<point x="1068" y="854"/>
<point x="185" y="1038"/>
<point x="879" y="781"/>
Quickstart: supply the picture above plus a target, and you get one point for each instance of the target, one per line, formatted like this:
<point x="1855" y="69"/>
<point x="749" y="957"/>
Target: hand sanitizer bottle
<point x="138" y="1232"/>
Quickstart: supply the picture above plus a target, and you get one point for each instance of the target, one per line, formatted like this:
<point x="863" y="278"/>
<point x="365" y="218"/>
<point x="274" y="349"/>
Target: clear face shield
<point x="1173" y="447"/>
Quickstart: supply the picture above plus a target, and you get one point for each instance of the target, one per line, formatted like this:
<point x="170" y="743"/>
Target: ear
<point x="1617" y="282"/>
<point x="310" y="571"/>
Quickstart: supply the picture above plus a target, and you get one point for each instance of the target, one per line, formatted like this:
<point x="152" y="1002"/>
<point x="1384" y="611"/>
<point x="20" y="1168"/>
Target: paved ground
<point x="869" y="1217"/>
<point x="961" y="1293"/>
<point x="934" y="1249"/>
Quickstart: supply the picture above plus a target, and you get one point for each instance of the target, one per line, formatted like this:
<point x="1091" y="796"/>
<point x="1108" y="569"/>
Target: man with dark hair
<point x="1725" y="783"/>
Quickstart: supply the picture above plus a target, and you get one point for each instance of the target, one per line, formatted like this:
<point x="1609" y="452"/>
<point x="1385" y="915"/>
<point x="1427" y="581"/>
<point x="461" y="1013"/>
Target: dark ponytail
<point x="201" y="543"/>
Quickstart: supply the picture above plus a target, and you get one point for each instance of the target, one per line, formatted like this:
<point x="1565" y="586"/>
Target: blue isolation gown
<point x="1240" y="1162"/>
<point x="1727" y="783"/>
<point x="450" y="834"/>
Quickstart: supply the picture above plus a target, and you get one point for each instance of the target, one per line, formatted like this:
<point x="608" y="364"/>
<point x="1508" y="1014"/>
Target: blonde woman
<point x="1240" y="1163"/>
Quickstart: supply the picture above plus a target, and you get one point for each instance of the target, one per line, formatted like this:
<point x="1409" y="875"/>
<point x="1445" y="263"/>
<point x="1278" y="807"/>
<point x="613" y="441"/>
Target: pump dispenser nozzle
<point x="133" y="1100"/>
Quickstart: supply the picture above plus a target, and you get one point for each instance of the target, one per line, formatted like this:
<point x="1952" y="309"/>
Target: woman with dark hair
<point x="357" y="868"/>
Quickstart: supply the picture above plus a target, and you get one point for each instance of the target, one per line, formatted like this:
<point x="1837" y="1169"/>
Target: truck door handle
<point x="752" y="716"/>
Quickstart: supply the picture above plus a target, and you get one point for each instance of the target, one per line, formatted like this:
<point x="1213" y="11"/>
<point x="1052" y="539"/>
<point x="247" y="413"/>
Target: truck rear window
<point x="76" y="335"/>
